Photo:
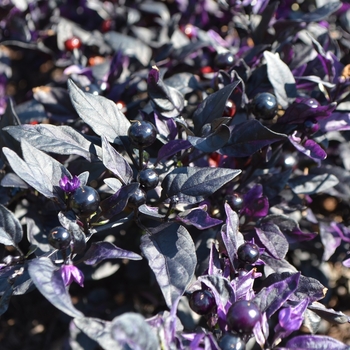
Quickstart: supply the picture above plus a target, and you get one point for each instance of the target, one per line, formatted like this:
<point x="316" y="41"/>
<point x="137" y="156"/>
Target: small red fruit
<point x="72" y="43"/>
<point x="206" y="70"/>
<point x="121" y="106"/>
<point x="106" y="25"/>
<point x="230" y="109"/>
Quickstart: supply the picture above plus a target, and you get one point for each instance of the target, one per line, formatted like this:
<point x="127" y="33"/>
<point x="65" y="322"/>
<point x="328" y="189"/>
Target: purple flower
<point x="69" y="185"/>
<point x="70" y="274"/>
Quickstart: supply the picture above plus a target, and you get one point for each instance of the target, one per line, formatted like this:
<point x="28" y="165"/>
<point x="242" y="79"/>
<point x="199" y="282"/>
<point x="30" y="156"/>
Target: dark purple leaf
<point x="115" y="162"/>
<point x="47" y="278"/>
<point x="169" y="101"/>
<point x="113" y="183"/>
<point x="308" y="287"/>
<point x="19" y="274"/>
<point x="98" y="330"/>
<point x="312" y="321"/>
<point x="83" y="178"/>
<point x="103" y="115"/>
<point x="193" y="184"/>
<point x="37" y="237"/>
<point x="212" y="142"/>
<point x="8" y="119"/>
<point x="289" y="227"/>
<point x="248" y="138"/>
<point x="39" y="170"/>
<point x="310" y="184"/>
<point x="299" y="111"/>
<point x="11" y="232"/>
<point x="330" y="238"/>
<point x="329" y="315"/>
<point x="290" y="319"/>
<point x="131" y="331"/>
<point x="231" y="236"/>
<point x="214" y="265"/>
<point x="171" y="148"/>
<point x="57" y="139"/>
<point x="271" y="298"/>
<point x="13" y="180"/>
<point x="315" y="342"/>
<point x="172" y="257"/>
<point x="184" y="82"/>
<point x="281" y="78"/>
<point x="151" y="211"/>
<point x="130" y="46"/>
<point x="321" y="13"/>
<point x="273" y="240"/>
<point x="199" y="218"/>
<point x="212" y="107"/>
<point x="116" y="203"/>
<point x="56" y="102"/>
<point x="5" y="299"/>
<point x="100" y="251"/>
<point x="276" y="266"/>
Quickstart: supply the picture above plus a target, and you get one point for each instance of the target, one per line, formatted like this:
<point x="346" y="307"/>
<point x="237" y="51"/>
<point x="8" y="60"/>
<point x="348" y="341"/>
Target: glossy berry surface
<point x="235" y="201"/>
<point x="231" y="341"/>
<point x="84" y="201"/>
<point x="264" y="105"/>
<point x="202" y="301"/>
<point x="225" y="59"/>
<point x="230" y="109"/>
<point x="248" y="253"/>
<point x="242" y="316"/>
<point x="59" y="238"/>
<point x="148" y="179"/>
<point x="138" y="198"/>
<point x="142" y="133"/>
<point x="72" y="43"/>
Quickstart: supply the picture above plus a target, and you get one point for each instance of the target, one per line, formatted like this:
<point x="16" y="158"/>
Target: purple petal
<point x="78" y="276"/>
<point x="70" y="274"/>
<point x="69" y="185"/>
<point x="66" y="275"/>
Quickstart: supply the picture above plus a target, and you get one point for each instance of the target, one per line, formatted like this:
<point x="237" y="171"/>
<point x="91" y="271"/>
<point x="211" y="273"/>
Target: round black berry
<point x="242" y="316"/>
<point x="248" y="253"/>
<point x="59" y="238"/>
<point x="231" y="341"/>
<point x="264" y="105"/>
<point x="225" y="59"/>
<point x="230" y="109"/>
<point x="142" y="133"/>
<point x="148" y="179"/>
<point x="202" y="301"/>
<point x="138" y="198"/>
<point x="235" y="201"/>
<point x="84" y="201"/>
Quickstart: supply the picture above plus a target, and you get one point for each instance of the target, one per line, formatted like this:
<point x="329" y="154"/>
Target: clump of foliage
<point x="190" y="141"/>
